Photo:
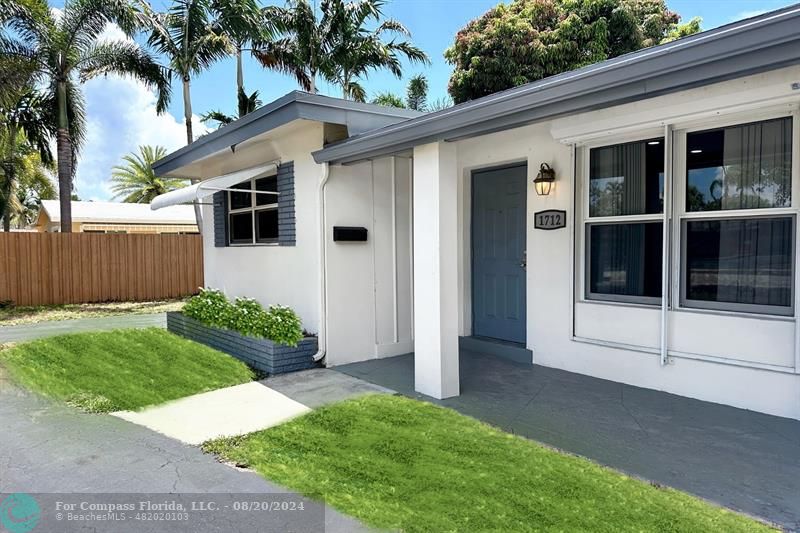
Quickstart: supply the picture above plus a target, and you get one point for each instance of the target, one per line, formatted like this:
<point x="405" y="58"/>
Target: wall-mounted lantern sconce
<point x="544" y="180"/>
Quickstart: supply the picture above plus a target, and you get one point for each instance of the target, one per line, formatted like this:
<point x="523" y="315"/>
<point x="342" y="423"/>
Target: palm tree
<point x="304" y="50"/>
<point x="242" y="22"/>
<point x="26" y="128"/>
<point x="191" y="39"/>
<point x="247" y="104"/>
<point x="337" y="45"/>
<point x="358" y="50"/>
<point x="34" y="184"/>
<point x="65" y="50"/>
<point x="388" y="99"/>
<point x="135" y="181"/>
<point x="417" y="93"/>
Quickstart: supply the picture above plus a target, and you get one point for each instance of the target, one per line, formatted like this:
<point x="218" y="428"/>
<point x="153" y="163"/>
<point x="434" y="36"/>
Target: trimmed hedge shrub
<point x="278" y="323"/>
<point x="210" y="307"/>
<point x="283" y="325"/>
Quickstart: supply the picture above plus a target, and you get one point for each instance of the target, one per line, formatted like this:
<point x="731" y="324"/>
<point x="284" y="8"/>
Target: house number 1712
<point x="550" y="219"/>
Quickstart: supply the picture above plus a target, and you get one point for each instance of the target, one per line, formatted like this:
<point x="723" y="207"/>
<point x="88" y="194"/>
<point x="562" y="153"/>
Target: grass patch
<point x="18" y="315"/>
<point x="398" y="463"/>
<point x="122" y="369"/>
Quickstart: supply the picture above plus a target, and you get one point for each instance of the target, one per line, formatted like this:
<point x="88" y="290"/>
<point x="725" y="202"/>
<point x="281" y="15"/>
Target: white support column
<point x="436" y="296"/>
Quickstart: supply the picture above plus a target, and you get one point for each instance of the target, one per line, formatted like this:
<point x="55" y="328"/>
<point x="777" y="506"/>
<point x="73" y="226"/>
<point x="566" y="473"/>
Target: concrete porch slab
<point x="221" y="413"/>
<point x="740" y="459"/>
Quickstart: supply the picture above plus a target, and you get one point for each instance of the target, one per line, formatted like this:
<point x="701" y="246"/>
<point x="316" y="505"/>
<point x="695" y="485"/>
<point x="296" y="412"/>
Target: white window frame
<point x="681" y="215"/>
<point x="586" y="220"/>
<point x="253" y="210"/>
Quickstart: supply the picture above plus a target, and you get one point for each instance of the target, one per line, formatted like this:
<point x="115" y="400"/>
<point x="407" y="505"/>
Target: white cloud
<point x="121" y="116"/>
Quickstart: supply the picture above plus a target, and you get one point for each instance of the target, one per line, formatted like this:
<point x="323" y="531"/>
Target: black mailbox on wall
<point x="349" y="234"/>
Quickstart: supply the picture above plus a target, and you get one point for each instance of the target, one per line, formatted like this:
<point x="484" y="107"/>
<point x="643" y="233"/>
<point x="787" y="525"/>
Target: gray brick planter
<point x="261" y="354"/>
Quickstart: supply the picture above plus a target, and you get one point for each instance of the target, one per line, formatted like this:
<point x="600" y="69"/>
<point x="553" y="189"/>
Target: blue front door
<point x="498" y="253"/>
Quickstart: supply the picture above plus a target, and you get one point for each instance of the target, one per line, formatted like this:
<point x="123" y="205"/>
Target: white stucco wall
<point x="369" y="283"/>
<point x="620" y="342"/>
<point x="287" y="275"/>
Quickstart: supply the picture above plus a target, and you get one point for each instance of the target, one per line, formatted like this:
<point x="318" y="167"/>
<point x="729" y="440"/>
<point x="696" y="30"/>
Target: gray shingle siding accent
<point x="220" y="219"/>
<point x="287" y="235"/>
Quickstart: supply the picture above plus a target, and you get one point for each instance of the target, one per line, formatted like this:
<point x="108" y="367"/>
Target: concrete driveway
<point x="50" y="328"/>
<point x="46" y="447"/>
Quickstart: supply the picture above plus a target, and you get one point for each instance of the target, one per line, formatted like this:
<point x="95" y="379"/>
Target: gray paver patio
<point x="740" y="459"/>
<point x="46" y="447"/>
<point x="25" y="332"/>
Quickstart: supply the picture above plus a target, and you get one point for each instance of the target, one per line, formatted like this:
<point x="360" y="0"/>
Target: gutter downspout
<point x="665" y="247"/>
<point x="323" y="306"/>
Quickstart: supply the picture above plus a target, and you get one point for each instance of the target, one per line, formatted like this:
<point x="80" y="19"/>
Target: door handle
<point x="524" y="263"/>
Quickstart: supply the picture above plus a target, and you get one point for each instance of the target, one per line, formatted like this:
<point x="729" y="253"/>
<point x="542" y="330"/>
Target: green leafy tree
<point x="63" y="50"/>
<point x="34" y="184"/>
<point x="358" y="50"/>
<point x="305" y="45"/>
<point x="527" y="40"/>
<point x="343" y="44"/>
<point x="247" y="104"/>
<point x="191" y="40"/>
<point x="417" y="93"/>
<point x="243" y="23"/>
<point x="440" y="104"/>
<point x="135" y="182"/>
<point x="389" y="100"/>
<point x="26" y="130"/>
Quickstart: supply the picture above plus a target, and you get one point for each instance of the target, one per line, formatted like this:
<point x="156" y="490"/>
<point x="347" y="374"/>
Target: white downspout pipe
<point x="665" y="247"/>
<point x="323" y="305"/>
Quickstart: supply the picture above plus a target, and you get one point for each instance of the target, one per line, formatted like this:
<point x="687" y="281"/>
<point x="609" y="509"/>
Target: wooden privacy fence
<point x="61" y="268"/>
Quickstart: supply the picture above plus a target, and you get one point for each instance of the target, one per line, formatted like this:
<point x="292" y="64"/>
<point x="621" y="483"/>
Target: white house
<point x="664" y="255"/>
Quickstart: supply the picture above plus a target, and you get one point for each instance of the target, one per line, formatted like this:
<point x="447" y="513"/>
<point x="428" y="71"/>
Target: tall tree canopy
<point x="342" y="44"/>
<point x="527" y="40"/>
<point x="63" y="49"/>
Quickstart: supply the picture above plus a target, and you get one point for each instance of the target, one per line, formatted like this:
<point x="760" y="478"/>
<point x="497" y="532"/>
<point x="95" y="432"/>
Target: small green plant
<point x="248" y="317"/>
<point x="210" y="307"/>
<point x="245" y="315"/>
<point x="284" y="326"/>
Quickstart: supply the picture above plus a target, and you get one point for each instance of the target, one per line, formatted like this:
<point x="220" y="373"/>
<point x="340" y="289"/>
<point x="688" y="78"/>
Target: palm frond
<point x="216" y="116"/>
<point x="125" y="58"/>
<point x="283" y="56"/>
<point x="135" y="181"/>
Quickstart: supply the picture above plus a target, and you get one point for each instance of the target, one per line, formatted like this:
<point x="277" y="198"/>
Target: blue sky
<point x="122" y="114"/>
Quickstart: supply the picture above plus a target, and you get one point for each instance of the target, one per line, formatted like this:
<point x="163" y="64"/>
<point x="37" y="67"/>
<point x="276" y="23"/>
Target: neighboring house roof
<point x="358" y="117"/>
<point x="750" y="46"/>
<point x="120" y="213"/>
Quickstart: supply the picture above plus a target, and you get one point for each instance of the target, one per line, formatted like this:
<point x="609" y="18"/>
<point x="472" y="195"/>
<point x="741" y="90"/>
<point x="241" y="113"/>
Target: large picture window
<point x="742" y="261"/>
<point x="253" y="213"/>
<point x="740" y="167"/>
<point x="737" y="231"/>
<point x="624" y="228"/>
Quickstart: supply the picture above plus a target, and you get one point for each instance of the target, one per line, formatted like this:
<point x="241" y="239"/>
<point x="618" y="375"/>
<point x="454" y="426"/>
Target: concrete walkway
<point x="740" y="459"/>
<point x="50" y="328"/>
<point x="47" y="447"/>
<point x="220" y="413"/>
<point x="248" y="407"/>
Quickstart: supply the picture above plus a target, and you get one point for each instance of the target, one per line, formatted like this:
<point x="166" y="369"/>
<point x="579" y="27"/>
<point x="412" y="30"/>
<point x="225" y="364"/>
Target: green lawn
<point x="18" y="315"/>
<point x="402" y="464"/>
<point x="122" y="369"/>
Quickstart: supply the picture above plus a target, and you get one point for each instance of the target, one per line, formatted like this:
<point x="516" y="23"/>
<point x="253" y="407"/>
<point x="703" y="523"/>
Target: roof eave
<point x="645" y="74"/>
<point x="293" y="106"/>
